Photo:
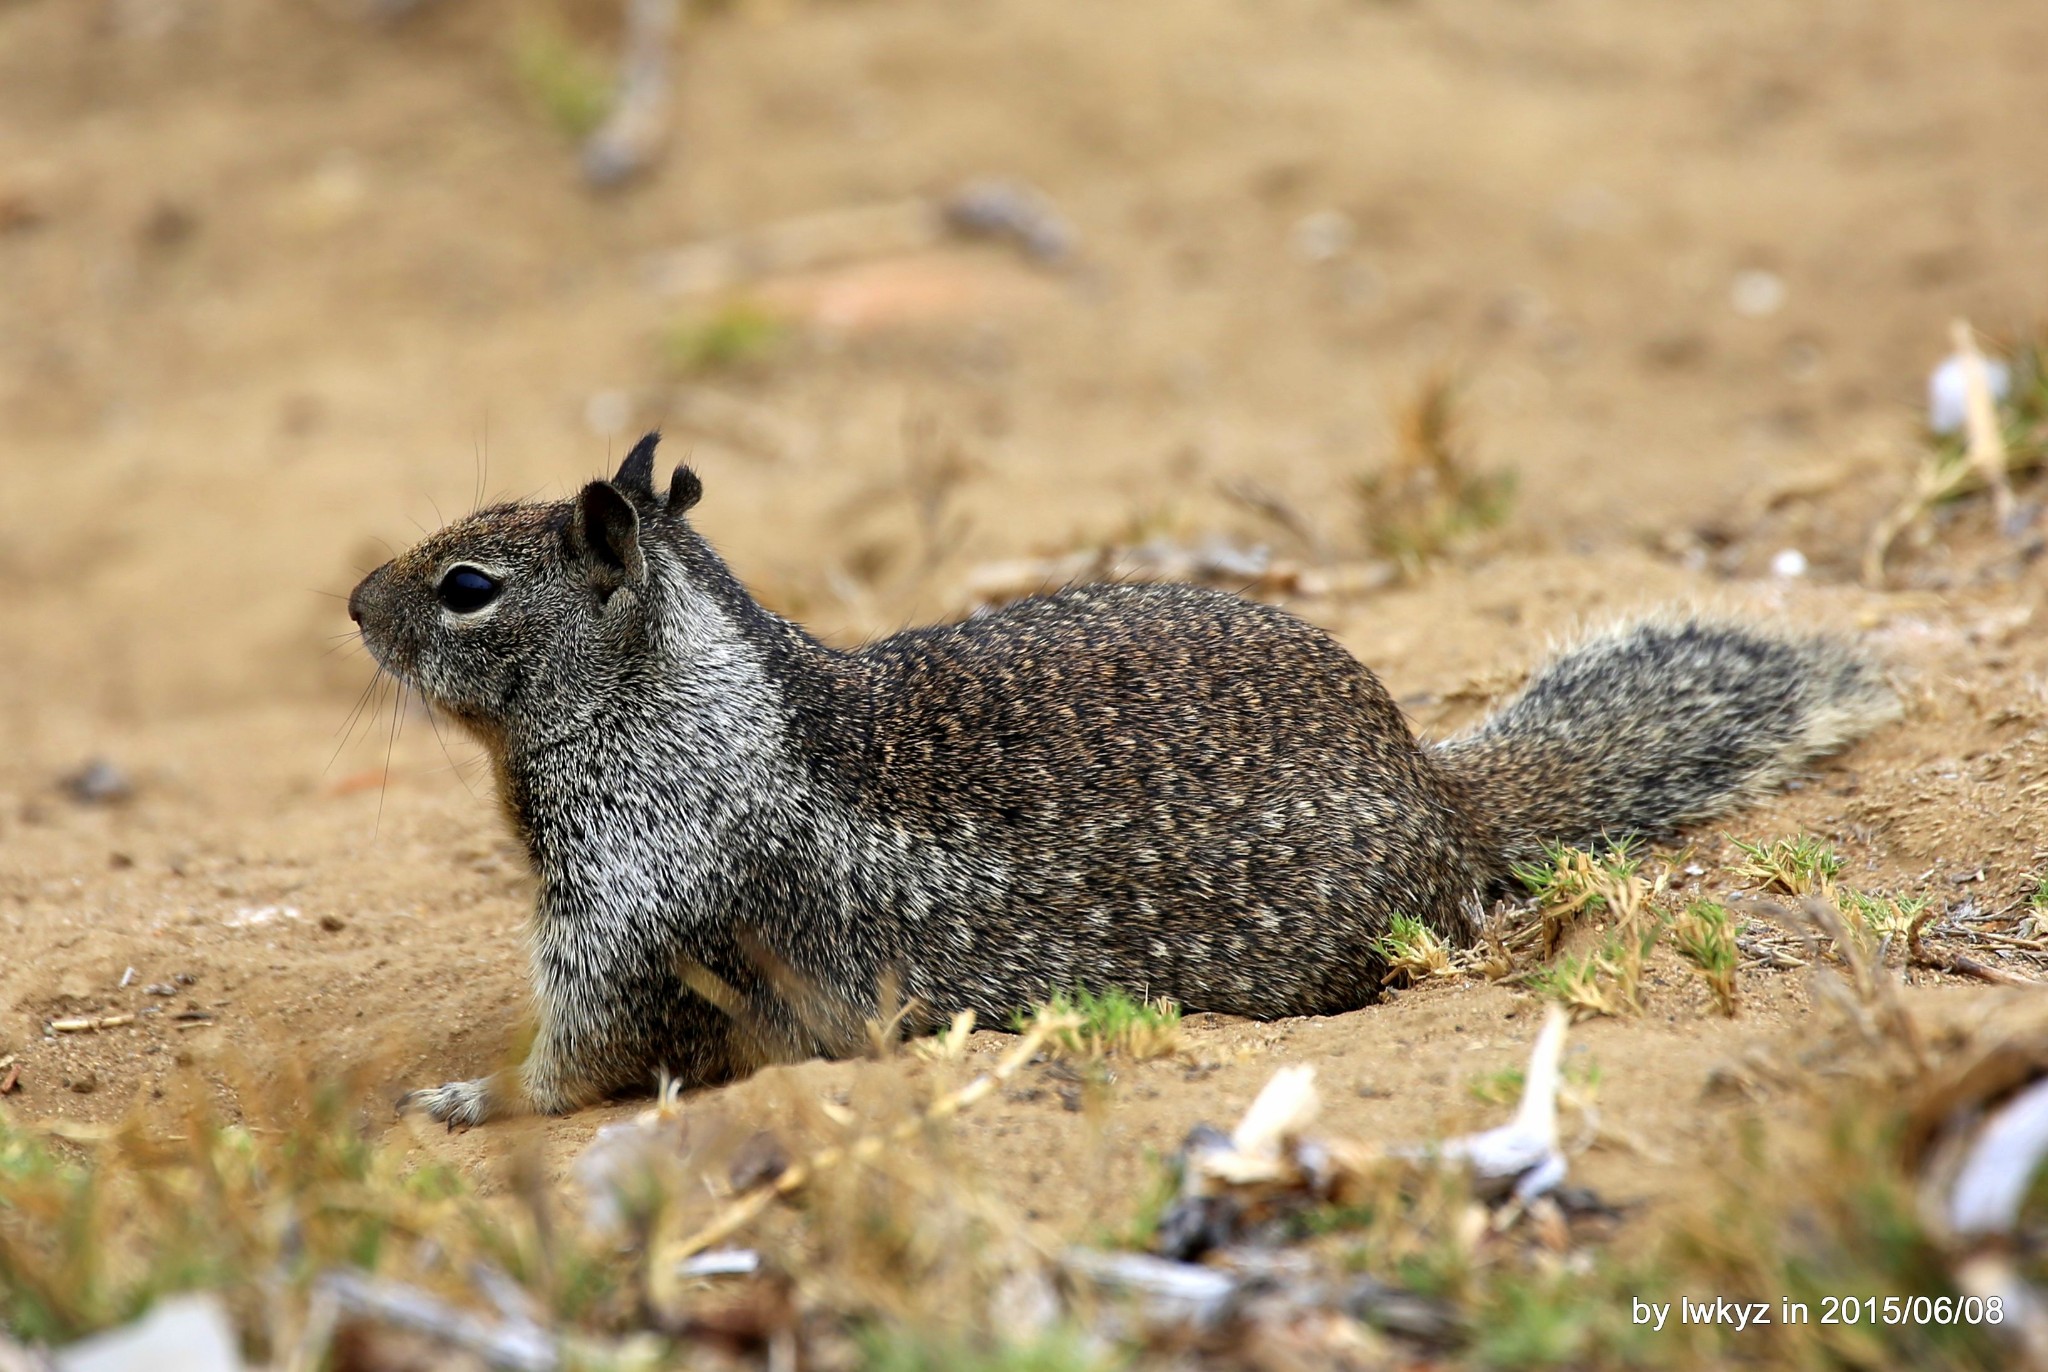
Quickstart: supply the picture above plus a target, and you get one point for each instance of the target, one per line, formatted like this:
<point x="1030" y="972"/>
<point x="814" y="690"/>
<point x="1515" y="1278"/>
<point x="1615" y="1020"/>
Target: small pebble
<point x="1789" y="563"/>
<point x="99" y="782"/>
<point x="1322" y="236"/>
<point x="995" y="208"/>
<point x="1757" y="294"/>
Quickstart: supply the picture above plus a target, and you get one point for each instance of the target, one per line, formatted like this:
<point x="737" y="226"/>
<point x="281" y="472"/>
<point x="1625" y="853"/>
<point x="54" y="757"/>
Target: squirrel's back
<point x="1188" y="793"/>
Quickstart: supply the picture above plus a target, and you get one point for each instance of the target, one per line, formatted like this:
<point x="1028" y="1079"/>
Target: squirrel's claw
<point x="458" y="1104"/>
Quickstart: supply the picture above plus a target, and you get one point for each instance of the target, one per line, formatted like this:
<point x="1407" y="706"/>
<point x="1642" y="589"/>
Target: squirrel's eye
<point x="466" y="590"/>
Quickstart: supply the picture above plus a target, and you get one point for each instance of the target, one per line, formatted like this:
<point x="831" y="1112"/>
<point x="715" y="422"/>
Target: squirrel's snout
<point x="355" y="597"/>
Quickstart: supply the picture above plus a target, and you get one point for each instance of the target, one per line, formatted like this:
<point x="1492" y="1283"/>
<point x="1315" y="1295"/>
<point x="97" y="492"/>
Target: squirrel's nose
<point x="355" y="597"/>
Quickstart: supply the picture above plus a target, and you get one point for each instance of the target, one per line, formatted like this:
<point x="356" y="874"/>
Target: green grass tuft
<point x="1880" y="917"/>
<point x="737" y="334"/>
<point x="1579" y="880"/>
<point x="1606" y="981"/>
<point x="1111" y="1022"/>
<point x="1430" y="496"/>
<point x="1414" y="952"/>
<point x="1705" y="937"/>
<point x="1799" y="866"/>
<point x="571" y="87"/>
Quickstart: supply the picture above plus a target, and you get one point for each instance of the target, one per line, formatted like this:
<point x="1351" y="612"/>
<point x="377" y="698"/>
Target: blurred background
<point x="283" y="281"/>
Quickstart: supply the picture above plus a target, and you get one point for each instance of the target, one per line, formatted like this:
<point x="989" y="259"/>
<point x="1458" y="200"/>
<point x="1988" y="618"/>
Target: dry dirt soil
<point x="283" y="284"/>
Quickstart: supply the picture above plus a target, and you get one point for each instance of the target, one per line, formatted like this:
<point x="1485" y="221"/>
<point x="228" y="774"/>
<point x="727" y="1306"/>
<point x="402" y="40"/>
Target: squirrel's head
<point x="525" y="602"/>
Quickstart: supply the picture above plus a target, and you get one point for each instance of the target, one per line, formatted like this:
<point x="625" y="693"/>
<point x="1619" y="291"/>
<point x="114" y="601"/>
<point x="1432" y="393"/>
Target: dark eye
<point x="466" y="590"/>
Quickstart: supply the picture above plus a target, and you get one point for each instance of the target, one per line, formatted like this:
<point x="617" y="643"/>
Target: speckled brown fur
<point x="744" y="839"/>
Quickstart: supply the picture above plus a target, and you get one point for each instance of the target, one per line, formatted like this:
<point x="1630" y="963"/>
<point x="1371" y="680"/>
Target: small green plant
<point x="1578" y="879"/>
<point x="1609" y="979"/>
<point x="1162" y="1185"/>
<point x="1430" y="495"/>
<point x="1705" y="937"/>
<point x="1801" y="866"/>
<point x="569" y="86"/>
<point x="1112" y="1021"/>
<point x="1572" y="882"/>
<point x="1414" y="952"/>
<point x="738" y="333"/>
<point x="1498" y="1088"/>
<point x="1505" y="1086"/>
<point x="1880" y="917"/>
<point x="2039" y="900"/>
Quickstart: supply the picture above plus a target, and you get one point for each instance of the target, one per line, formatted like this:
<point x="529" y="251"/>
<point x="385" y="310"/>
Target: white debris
<point x="251" y="916"/>
<point x="1757" y="294"/>
<point x="616" y="1167"/>
<point x="182" y="1334"/>
<point x="1521" y="1156"/>
<point x="721" y="1262"/>
<point x="1286" y="1103"/>
<point x="1168" y="1293"/>
<point x="1259" y="1148"/>
<point x="1322" y="236"/>
<point x="1948" y="391"/>
<point x="2001" y="1165"/>
<point x="1788" y="564"/>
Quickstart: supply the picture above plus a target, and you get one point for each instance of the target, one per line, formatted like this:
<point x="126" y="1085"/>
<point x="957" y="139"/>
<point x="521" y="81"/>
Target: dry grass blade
<point x="1986" y="452"/>
<point x="1874" y="1003"/>
<point x="1959" y="964"/>
<point x="743" y="1209"/>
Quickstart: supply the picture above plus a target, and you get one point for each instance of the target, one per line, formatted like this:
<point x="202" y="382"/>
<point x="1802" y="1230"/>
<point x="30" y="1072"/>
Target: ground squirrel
<point x="744" y="839"/>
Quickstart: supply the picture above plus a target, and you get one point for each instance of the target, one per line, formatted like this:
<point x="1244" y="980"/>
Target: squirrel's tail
<point x="1659" y="724"/>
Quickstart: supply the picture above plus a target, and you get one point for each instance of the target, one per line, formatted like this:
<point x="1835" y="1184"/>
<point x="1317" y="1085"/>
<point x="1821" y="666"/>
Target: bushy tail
<point x="1660" y="724"/>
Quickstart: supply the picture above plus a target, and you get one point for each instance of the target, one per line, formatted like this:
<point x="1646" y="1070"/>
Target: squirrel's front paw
<point x="459" y="1102"/>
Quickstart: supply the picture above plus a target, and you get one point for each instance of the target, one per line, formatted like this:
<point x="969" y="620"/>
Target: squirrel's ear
<point x="684" y="490"/>
<point x="636" y="474"/>
<point x="604" y="532"/>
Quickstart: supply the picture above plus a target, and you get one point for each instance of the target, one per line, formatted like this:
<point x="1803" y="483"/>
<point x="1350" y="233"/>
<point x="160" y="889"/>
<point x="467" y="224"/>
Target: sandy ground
<point x="280" y="286"/>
